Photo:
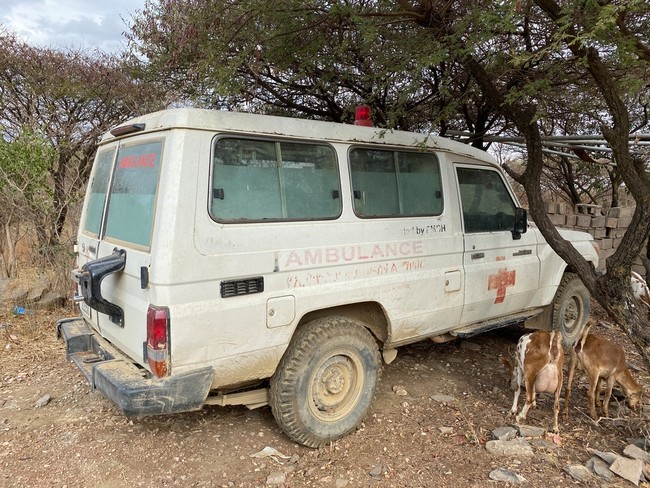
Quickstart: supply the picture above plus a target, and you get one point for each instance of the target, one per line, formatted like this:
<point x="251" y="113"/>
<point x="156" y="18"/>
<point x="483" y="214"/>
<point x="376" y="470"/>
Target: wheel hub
<point x="334" y="381"/>
<point x="334" y="384"/>
<point x="571" y="313"/>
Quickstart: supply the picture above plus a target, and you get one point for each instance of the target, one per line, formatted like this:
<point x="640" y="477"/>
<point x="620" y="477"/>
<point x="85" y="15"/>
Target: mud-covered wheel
<point x="571" y="308"/>
<point x="325" y="383"/>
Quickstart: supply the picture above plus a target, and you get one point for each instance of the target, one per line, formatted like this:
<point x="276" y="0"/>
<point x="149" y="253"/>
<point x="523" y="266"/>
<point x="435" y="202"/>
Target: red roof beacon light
<point x="362" y="116"/>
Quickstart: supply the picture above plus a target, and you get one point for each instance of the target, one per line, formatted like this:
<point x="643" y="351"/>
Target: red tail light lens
<point x="362" y="116"/>
<point x="158" y="340"/>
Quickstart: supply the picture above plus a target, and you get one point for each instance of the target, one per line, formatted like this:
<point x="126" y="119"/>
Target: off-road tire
<point x="326" y="381"/>
<point x="571" y="308"/>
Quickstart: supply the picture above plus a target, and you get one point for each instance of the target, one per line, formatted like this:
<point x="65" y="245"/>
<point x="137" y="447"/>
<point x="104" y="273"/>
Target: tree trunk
<point x="11" y="265"/>
<point x="615" y="182"/>
<point x="60" y="201"/>
<point x="569" y="177"/>
<point x="4" y="269"/>
<point x="629" y="313"/>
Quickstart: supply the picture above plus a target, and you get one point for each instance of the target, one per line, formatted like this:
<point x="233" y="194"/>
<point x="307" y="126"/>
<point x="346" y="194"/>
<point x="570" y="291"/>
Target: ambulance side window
<point x="487" y="205"/>
<point x="395" y="183"/>
<point x="263" y="180"/>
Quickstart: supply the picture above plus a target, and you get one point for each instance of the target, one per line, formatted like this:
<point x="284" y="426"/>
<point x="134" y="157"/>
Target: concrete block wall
<point x="607" y="226"/>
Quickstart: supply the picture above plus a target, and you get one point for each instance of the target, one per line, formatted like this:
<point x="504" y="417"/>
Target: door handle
<point x="523" y="252"/>
<point x="478" y="255"/>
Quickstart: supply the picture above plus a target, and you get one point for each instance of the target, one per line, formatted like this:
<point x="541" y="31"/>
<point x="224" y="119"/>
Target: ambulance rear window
<point x="97" y="192"/>
<point x="132" y="197"/>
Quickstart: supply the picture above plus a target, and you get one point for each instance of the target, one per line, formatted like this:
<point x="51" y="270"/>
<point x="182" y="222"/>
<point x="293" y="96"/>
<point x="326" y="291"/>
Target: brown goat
<point x="539" y="360"/>
<point x="601" y="359"/>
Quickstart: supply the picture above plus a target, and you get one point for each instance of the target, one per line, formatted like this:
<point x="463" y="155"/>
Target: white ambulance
<point x="230" y="258"/>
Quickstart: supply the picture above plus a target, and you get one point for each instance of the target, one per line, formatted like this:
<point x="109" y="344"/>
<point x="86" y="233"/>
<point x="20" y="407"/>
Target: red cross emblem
<point x="501" y="281"/>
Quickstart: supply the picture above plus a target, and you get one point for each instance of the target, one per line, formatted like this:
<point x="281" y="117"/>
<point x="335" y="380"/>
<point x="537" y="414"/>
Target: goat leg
<point x="513" y="410"/>
<point x="556" y="405"/>
<point x="593" y="391"/>
<point x="608" y="394"/>
<point x="530" y="397"/>
<point x="567" y="392"/>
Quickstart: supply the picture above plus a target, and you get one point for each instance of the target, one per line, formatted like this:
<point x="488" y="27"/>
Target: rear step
<point x="488" y="325"/>
<point x="82" y="350"/>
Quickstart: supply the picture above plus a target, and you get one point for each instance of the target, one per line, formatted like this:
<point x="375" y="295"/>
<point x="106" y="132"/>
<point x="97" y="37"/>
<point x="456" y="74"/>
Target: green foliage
<point x="24" y="172"/>
<point x="315" y="59"/>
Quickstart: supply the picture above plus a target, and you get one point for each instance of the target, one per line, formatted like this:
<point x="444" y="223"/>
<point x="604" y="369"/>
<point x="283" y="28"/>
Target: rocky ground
<point x="432" y="423"/>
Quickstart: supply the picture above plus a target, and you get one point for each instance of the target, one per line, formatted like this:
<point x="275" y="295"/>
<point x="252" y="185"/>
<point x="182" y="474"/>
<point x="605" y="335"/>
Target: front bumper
<point x="133" y="389"/>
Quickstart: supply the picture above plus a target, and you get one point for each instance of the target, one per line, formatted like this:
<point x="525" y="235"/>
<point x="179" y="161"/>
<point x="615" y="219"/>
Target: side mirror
<point x="521" y="223"/>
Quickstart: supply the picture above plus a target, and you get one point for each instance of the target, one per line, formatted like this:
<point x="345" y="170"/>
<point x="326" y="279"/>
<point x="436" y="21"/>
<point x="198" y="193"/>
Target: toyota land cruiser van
<point x="230" y="258"/>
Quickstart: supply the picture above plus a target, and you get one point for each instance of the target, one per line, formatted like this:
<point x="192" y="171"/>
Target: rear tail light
<point x="362" y="116"/>
<point x="158" y="340"/>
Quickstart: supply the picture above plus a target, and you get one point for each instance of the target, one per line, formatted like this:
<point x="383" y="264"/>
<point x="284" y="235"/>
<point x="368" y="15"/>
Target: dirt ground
<point x="79" y="439"/>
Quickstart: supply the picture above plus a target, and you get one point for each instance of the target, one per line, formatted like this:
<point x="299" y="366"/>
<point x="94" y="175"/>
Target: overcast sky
<point x="70" y="24"/>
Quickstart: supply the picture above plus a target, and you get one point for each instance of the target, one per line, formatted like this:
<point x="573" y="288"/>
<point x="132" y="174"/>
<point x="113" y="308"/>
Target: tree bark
<point x="11" y="264"/>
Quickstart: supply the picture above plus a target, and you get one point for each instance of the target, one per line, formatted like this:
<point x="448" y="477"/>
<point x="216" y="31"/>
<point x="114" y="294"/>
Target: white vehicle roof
<point x="240" y="122"/>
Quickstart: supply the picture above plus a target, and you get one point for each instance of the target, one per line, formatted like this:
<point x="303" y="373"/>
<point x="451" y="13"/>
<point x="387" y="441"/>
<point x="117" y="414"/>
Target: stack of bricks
<point x="606" y="226"/>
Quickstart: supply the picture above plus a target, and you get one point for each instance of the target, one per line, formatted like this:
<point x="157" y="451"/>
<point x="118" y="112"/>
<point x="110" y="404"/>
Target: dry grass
<point x="19" y="330"/>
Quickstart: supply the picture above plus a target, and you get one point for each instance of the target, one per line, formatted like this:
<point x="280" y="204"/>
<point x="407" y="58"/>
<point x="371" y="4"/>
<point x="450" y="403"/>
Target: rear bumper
<point x="121" y="381"/>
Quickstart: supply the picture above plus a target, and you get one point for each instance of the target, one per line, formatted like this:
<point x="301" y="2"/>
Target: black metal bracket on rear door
<point x="90" y="278"/>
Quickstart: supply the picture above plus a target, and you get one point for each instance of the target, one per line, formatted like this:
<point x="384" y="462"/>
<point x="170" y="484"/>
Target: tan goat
<point x="601" y="359"/>
<point x="539" y="360"/>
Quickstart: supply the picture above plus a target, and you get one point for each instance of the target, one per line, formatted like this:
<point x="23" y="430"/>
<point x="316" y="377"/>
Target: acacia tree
<point x="514" y="65"/>
<point x="68" y="100"/>
<point x="320" y="59"/>
<point x="571" y="43"/>
<point x="308" y="59"/>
